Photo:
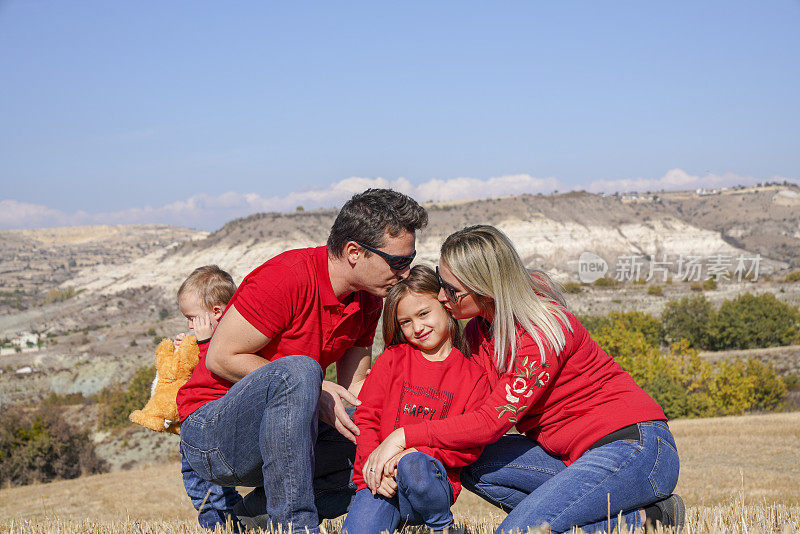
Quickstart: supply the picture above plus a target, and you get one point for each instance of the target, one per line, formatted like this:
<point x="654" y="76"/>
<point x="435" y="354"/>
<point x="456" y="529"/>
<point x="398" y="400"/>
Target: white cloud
<point x="677" y="179"/>
<point x="210" y="212"/>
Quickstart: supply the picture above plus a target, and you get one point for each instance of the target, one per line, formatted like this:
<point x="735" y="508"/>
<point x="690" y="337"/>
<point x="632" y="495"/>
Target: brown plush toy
<point x="173" y="369"/>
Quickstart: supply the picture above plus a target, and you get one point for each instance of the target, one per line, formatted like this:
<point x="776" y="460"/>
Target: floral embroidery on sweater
<point x="529" y="374"/>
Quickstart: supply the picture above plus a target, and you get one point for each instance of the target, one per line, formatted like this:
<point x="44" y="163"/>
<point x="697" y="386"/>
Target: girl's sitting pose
<point x="593" y="439"/>
<point x="421" y="376"/>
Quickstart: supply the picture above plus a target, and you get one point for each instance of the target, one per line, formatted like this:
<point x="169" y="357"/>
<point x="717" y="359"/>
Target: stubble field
<point x="738" y="475"/>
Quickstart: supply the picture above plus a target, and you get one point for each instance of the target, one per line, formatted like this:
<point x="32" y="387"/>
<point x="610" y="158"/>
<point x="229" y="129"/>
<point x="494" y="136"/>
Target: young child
<point x="202" y="299"/>
<point x="422" y="374"/>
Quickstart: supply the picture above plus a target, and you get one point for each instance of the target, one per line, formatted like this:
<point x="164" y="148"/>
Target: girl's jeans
<point x="263" y="432"/>
<point x="520" y="477"/>
<point x="424" y="495"/>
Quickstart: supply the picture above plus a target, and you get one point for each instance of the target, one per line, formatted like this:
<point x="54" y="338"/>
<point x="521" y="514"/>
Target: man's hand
<point x="331" y="409"/>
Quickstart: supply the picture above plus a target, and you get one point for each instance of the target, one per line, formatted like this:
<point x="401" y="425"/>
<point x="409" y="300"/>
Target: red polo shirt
<point x="290" y="300"/>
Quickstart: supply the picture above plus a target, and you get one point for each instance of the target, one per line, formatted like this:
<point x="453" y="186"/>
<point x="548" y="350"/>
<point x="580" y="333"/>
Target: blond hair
<point x="485" y="261"/>
<point x="214" y="286"/>
<point x="421" y="280"/>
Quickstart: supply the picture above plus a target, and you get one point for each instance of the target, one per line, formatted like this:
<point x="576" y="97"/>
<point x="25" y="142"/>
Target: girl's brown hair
<point x="422" y="280"/>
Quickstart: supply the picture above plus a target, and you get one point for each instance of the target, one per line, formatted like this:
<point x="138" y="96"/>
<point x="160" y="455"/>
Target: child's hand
<point x="390" y="468"/>
<point x="202" y="326"/>
<point x="178" y="339"/>
<point x="388" y="487"/>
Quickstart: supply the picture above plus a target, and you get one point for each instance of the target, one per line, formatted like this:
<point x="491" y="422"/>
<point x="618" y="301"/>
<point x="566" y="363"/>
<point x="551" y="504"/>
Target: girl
<point x="590" y="433"/>
<point x="421" y="376"/>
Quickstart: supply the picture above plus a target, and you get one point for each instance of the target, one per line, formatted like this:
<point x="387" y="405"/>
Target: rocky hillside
<point x="550" y="231"/>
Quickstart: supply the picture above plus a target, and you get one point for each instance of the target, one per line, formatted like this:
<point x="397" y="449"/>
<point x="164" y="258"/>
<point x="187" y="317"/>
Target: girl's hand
<point x="388" y="487"/>
<point x="374" y="466"/>
<point x="390" y="469"/>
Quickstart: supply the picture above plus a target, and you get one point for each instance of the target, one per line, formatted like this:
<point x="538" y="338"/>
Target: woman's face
<point x="466" y="302"/>
<point x="424" y="322"/>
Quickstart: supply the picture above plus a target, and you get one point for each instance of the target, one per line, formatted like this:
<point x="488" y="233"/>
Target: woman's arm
<point x="507" y="403"/>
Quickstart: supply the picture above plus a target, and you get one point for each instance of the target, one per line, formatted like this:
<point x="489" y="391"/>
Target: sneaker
<point x="451" y="530"/>
<point x="673" y="512"/>
<point x="251" y="510"/>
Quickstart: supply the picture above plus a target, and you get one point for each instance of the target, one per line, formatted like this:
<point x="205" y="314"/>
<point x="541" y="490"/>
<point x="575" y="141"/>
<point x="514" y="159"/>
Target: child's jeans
<point x="213" y="502"/>
<point x="424" y="495"/>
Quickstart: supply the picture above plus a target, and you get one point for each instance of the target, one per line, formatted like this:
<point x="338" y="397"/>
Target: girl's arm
<point x="368" y="414"/>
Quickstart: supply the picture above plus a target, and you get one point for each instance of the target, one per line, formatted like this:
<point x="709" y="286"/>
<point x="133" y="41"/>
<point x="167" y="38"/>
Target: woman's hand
<point x="374" y="466"/>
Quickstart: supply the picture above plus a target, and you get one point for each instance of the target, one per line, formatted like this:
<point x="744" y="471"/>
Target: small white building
<point x="26" y="340"/>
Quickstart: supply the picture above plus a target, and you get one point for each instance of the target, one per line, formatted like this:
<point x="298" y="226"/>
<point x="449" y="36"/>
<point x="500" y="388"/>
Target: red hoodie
<point x="403" y="388"/>
<point x="565" y="404"/>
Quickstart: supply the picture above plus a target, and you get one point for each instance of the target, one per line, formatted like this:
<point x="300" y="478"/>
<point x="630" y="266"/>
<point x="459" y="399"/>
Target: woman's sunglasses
<point x="450" y="292"/>
<point x="396" y="263"/>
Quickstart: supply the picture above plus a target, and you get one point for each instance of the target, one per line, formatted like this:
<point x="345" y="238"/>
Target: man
<point x="249" y="413"/>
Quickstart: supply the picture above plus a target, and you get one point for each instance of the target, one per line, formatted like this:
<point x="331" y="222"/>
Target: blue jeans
<point x="263" y="432"/>
<point x="424" y="496"/>
<point x="520" y="477"/>
<point x="213" y="502"/>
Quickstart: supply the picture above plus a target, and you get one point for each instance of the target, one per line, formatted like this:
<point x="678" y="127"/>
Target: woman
<point x="591" y="435"/>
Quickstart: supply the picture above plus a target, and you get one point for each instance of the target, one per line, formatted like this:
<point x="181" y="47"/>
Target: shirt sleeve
<point x="267" y="299"/>
<point x="467" y="456"/>
<point x="515" y="392"/>
<point x="368" y="414"/>
<point x="371" y="316"/>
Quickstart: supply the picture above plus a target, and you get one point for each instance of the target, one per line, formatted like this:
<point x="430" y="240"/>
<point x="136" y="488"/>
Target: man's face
<point x="374" y="274"/>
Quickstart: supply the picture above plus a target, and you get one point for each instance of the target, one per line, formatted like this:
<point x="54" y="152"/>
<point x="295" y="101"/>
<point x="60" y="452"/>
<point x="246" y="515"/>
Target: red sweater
<point x="578" y="396"/>
<point x="403" y="388"/>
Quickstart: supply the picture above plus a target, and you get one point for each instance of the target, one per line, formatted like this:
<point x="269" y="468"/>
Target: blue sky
<point x="195" y="112"/>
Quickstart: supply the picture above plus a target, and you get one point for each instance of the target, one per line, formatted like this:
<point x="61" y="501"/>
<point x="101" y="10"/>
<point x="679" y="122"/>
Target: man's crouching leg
<point x="287" y="438"/>
<point x="262" y="433"/>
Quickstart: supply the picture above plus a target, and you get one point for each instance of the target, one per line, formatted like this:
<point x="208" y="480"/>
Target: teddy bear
<point x="174" y="366"/>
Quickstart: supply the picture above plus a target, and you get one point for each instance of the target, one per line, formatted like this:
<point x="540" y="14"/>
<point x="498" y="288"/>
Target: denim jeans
<point x="263" y="431"/>
<point x="424" y="496"/>
<point x="213" y="502"/>
<point x="535" y="488"/>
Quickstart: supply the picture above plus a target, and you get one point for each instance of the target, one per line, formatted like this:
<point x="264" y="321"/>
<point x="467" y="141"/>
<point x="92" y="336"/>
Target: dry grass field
<point x="738" y="475"/>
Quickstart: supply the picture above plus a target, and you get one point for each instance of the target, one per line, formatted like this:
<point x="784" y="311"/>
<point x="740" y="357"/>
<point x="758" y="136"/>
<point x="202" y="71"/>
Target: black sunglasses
<point x="396" y="263"/>
<point x="449" y="291"/>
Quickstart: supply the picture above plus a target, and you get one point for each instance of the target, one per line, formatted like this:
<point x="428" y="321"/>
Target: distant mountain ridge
<point x="550" y="231"/>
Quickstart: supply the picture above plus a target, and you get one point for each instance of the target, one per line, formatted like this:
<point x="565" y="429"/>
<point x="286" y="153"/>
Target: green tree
<point x="755" y="321"/>
<point x="689" y="318"/>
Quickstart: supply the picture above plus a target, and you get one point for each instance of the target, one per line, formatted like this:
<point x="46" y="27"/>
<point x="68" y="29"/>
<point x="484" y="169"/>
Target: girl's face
<point x="424" y="322"/>
<point x="466" y="304"/>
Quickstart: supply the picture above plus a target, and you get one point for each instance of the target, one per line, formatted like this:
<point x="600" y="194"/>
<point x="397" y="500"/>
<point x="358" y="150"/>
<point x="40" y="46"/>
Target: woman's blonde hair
<point x="422" y="280"/>
<point x="486" y="262"/>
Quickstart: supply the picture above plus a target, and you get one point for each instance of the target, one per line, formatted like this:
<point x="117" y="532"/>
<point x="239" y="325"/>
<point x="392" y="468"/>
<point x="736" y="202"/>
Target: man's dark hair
<point x="368" y="216"/>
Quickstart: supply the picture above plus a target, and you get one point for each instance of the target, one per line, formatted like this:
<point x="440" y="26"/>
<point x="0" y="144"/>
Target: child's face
<point x="191" y="306"/>
<point x="424" y="321"/>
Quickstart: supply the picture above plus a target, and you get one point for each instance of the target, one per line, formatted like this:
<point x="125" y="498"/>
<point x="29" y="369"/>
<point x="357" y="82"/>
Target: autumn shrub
<point x="683" y="383"/>
<point x="40" y="446"/>
<point x="117" y="401"/>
